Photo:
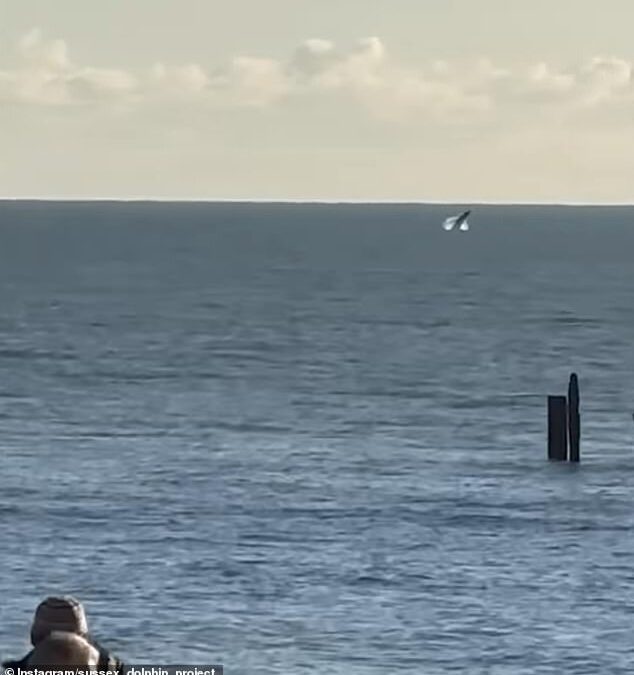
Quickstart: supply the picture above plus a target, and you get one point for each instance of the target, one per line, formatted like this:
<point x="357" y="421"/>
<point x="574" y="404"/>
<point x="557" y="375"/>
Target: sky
<point x="374" y="100"/>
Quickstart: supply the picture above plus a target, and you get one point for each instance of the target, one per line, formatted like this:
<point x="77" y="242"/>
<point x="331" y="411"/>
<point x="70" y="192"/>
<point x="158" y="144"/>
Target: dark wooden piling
<point x="574" y="421"/>
<point x="557" y="437"/>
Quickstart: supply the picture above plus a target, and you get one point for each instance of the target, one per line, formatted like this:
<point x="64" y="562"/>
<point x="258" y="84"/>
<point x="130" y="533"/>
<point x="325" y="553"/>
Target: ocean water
<point x="309" y="439"/>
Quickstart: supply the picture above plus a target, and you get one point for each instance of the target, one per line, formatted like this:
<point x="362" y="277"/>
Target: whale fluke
<point x="459" y="221"/>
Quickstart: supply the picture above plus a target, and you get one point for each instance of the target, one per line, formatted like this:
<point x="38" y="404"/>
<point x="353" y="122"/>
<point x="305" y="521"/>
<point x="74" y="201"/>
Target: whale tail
<point x="459" y="220"/>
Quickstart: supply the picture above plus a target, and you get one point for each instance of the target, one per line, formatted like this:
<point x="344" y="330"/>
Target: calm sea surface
<point x="311" y="438"/>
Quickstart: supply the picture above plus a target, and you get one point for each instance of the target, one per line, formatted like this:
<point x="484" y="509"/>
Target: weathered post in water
<point x="574" y="421"/>
<point x="557" y="437"/>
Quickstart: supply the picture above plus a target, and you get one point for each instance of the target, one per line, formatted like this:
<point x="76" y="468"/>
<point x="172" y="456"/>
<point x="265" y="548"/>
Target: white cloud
<point x="363" y="74"/>
<point x="366" y="74"/>
<point x="605" y="77"/>
<point x="442" y="100"/>
<point x="313" y="57"/>
<point x="86" y="84"/>
<point x="190" y="78"/>
<point x="361" y="67"/>
<point x="48" y="76"/>
<point x="608" y="70"/>
<point x="45" y="54"/>
<point x="254" y="81"/>
<point x="541" y="83"/>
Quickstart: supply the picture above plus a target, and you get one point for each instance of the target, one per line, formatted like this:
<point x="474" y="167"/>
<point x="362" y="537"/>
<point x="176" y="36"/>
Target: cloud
<point x="363" y="74"/>
<point x="88" y="84"/>
<point x="604" y="78"/>
<point x="187" y="79"/>
<point x="444" y="101"/>
<point x="312" y="57"/>
<point x="543" y="80"/>
<point x="328" y="68"/>
<point x="253" y="81"/>
<point x="47" y="76"/>
<point x="47" y="54"/>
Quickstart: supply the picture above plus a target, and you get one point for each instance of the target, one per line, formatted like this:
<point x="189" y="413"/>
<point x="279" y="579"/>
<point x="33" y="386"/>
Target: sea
<point x="305" y="439"/>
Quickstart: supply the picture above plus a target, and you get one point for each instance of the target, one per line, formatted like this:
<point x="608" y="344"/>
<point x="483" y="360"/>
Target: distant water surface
<point x="309" y="439"/>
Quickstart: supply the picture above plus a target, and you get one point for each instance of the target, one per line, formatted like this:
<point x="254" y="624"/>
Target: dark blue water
<point x="311" y="438"/>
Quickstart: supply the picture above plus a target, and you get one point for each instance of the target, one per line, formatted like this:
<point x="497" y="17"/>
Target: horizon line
<point x="403" y="202"/>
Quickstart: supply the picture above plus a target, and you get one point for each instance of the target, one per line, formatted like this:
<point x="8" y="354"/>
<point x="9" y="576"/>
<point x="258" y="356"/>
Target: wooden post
<point x="574" y="421"/>
<point x="557" y="440"/>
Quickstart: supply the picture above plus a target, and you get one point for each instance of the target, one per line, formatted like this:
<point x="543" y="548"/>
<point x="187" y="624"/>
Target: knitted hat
<point x="63" y="613"/>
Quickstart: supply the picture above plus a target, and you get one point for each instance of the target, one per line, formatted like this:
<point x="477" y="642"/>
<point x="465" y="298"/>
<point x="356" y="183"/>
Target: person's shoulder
<point x="16" y="663"/>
